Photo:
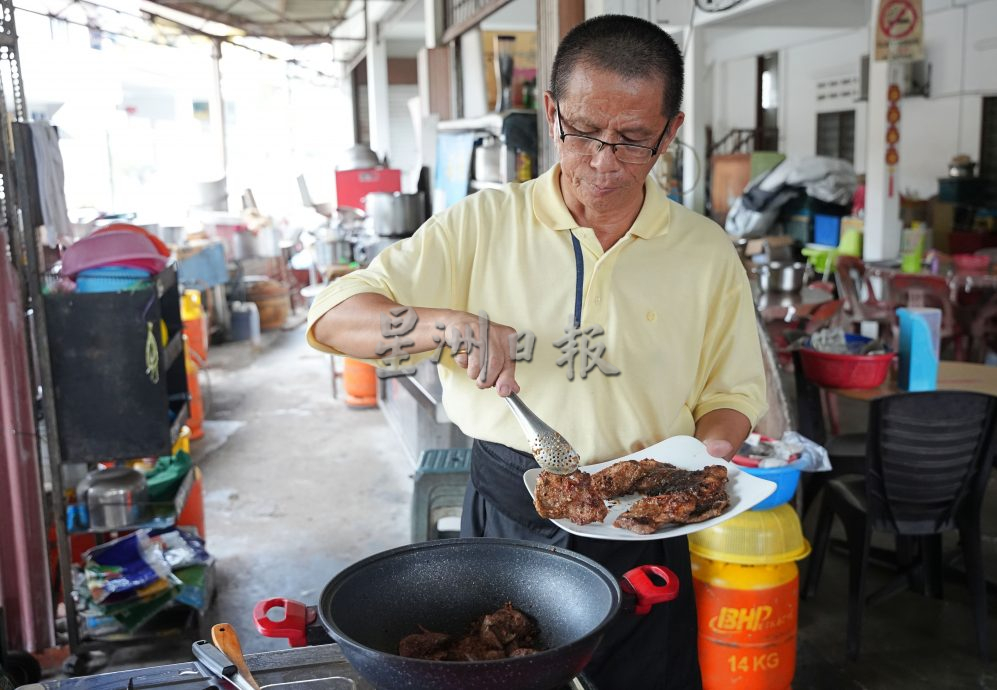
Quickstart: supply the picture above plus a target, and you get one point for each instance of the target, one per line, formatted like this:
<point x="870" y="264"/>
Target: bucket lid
<point x="755" y="537"/>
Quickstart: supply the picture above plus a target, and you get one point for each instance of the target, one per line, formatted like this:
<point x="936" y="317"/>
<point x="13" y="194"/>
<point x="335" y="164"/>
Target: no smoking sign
<point x="899" y="30"/>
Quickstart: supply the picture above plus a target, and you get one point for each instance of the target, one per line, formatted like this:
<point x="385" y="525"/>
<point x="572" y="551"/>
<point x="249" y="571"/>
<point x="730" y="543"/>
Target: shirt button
<point x="651" y="316"/>
<point x="598" y="300"/>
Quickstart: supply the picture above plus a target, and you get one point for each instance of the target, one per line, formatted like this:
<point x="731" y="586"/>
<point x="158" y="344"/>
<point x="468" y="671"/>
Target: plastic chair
<point x="846" y="451"/>
<point x="851" y="279"/>
<point x="440" y="483"/>
<point x="983" y="332"/>
<point x="908" y="290"/>
<point x="928" y="460"/>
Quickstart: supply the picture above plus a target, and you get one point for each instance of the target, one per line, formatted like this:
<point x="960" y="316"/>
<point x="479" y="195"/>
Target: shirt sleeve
<point x="732" y="375"/>
<point x="417" y="272"/>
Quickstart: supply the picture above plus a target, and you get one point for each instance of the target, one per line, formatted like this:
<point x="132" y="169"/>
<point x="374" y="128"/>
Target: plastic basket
<point x="827" y="229"/>
<point x="846" y="371"/>
<point x="111" y="279"/>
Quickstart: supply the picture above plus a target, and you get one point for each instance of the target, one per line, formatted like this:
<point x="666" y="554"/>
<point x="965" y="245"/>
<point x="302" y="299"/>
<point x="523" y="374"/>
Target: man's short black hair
<point x="631" y="47"/>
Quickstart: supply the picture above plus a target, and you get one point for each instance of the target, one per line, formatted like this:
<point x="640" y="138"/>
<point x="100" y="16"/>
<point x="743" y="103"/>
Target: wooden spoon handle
<point x="225" y="638"/>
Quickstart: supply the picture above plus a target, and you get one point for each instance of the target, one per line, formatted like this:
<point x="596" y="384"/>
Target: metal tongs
<point x="551" y="450"/>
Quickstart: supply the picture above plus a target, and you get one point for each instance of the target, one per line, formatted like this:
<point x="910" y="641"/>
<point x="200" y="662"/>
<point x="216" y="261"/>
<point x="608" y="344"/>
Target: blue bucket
<point x="110" y="279"/>
<point x="786" y="478"/>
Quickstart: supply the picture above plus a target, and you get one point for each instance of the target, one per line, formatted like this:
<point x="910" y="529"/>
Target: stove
<point x="289" y="669"/>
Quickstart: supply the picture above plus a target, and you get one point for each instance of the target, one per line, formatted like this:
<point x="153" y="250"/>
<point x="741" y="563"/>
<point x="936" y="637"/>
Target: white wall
<point x="960" y="42"/>
<point x="802" y="67"/>
<point x="734" y="95"/>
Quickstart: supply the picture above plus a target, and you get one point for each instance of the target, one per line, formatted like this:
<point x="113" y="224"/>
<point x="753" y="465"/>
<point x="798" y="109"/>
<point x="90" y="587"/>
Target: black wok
<point x="445" y="585"/>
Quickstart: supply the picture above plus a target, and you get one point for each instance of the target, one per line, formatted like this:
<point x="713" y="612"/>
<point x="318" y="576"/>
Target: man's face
<point x="600" y="104"/>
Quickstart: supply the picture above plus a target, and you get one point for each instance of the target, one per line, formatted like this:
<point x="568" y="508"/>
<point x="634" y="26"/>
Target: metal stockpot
<point x="115" y="497"/>
<point x="393" y="214"/>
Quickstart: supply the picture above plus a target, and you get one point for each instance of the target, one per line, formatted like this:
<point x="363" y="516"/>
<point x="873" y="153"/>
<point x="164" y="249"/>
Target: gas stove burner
<point x="299" y="668"/>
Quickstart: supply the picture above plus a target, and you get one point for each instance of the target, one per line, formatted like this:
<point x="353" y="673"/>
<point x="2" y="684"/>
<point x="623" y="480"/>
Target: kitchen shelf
<point x="164" y="513"/>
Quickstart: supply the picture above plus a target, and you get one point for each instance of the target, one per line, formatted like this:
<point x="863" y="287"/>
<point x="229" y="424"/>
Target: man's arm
<point x="353" y="327"/>
<point x="723" y="432"/>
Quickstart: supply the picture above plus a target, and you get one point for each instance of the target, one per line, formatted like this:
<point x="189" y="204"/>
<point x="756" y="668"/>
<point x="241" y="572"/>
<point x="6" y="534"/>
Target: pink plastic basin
<point x="112" y="248"/>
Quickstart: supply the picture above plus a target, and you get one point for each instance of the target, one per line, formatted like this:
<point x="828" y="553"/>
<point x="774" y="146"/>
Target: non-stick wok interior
<point x="444" y="585"/>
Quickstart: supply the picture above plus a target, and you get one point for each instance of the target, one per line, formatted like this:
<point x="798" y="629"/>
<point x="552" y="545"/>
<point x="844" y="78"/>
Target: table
<point x="785" y="305"/>
<point x="952" y="376"/>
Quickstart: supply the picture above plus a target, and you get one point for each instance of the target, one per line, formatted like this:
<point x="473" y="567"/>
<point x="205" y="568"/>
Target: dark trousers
<point x="653" y="652"/>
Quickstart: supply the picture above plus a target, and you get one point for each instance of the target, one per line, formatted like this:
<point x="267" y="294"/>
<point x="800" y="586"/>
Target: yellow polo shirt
<point x="671" y="297"/>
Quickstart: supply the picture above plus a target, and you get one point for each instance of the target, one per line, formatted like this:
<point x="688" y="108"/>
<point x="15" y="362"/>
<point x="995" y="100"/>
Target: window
<point x="988" y="147"/>
<point x="836" y="135"/>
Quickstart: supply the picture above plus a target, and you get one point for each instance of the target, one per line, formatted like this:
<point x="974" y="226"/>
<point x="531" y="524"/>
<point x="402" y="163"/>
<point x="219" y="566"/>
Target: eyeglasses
<point x="584" y="145"/>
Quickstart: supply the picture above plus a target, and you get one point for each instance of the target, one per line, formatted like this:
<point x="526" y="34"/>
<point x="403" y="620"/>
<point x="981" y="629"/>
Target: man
<point x="666" y="341"/>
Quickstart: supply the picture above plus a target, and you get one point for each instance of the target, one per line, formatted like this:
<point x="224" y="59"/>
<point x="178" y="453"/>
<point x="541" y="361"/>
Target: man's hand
<point x="500" y="368"/>
<point x="722" y="432"/>
<point x="718" y="448"/>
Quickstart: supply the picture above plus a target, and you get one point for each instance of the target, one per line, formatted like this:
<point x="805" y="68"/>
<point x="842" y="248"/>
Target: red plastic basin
<point x="845" y="371"/>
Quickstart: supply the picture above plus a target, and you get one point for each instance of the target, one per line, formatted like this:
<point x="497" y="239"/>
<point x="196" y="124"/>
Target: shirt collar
<point x="550" y="209"/>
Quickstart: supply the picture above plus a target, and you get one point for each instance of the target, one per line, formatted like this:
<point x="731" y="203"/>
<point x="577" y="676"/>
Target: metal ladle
<point x="551" y="450"/>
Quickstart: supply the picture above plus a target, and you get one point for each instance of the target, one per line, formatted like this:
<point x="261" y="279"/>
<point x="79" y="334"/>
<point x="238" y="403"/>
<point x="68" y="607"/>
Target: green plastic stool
<point x="440" y="483"/>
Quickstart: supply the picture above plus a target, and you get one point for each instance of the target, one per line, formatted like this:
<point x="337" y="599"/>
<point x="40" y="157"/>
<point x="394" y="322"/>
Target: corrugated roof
<point x="298" y="22"/>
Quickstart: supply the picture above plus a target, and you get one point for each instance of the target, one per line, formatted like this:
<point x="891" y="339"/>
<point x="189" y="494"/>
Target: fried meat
<point x="570" y="496"/>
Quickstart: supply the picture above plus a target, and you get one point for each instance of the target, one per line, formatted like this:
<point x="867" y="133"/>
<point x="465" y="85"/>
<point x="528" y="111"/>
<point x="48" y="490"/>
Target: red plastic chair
<point x="851" y="278"/>
<point x="912" y="290"/>
<point x="983" y="332"/>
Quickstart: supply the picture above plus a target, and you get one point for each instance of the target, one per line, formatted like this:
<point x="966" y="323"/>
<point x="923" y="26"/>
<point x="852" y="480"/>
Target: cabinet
<point x="119" y="392"/>
<point x="120" y="386"/>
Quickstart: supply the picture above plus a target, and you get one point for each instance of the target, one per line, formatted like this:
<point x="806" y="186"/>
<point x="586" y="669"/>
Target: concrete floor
<point x="291" y="473"/>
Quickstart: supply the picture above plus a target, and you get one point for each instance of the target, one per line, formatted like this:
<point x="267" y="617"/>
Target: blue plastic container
<point x="827" y="230"/>
<point x="786" y="478"/>
<point x="110" y="279"/>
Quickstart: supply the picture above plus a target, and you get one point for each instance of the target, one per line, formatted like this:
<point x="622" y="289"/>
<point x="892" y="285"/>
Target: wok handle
<point x="297" y="617"/>
<point x="638" y="583"/>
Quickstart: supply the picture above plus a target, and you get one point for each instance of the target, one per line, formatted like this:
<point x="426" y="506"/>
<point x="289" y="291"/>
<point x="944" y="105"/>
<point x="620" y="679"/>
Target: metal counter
<point x="413" y="406"/>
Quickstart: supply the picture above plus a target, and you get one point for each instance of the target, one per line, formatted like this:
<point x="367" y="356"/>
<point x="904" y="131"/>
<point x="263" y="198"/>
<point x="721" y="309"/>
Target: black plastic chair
<point x="845" y="451"/>
<point x="927" y="465"/>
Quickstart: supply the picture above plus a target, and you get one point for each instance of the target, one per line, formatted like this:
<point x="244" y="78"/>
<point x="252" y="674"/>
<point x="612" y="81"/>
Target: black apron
<point x="651" y="652"/>
<point x="656" y="651"/>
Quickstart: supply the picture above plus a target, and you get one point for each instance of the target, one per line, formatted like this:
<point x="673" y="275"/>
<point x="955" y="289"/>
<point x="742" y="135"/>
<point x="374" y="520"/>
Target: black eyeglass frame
<point x="603" y="144"/>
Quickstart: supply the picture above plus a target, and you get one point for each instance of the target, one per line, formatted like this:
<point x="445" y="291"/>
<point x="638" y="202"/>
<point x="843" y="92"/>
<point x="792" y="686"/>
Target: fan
<point x="717" y="5"/>
<point x="667" y="171"/>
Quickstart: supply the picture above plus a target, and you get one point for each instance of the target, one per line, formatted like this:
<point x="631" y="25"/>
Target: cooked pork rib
<point x="569" y="496"/>
<point x="620" y="479"/>
<point x="672" y="495"/>
<point x="677" y="496"/>
<point x="505" y="633"/>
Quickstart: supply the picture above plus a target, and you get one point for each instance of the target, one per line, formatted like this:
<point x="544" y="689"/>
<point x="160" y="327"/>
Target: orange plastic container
<point x="192" y="514"/>
<point x="195" y="324"/>
<point x="196" y="418"/>
<point x="360" y="381"/>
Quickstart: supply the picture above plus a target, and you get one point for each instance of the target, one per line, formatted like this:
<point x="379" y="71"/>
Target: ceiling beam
<point x="201" y="12"/>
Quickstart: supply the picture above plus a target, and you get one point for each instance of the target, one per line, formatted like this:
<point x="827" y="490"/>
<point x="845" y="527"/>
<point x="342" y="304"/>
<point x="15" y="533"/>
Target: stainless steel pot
<point x="393" y="214"/>
<point x="781" y="277"/>
<point x="488" y="161"/>
<point x="333" y="252"/>
<point x="965" y="169"/>
<point x="115" y="497"/>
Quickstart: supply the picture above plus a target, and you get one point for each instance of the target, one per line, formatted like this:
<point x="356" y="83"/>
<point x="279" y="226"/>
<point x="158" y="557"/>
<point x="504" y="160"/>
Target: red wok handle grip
<point x="297" y="616"/>
<point x="638" y="583"/>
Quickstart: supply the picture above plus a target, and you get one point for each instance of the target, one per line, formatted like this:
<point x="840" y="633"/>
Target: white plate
<point x="744" y="490"/>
